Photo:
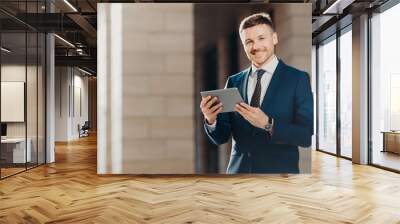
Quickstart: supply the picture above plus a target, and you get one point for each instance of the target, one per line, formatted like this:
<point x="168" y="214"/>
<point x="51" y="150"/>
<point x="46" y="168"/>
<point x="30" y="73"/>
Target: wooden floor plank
<point x="70" y="191"/>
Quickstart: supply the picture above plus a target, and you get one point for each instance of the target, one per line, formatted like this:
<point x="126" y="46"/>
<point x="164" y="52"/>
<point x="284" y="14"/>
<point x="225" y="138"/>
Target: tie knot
<point x="260" y="73"/>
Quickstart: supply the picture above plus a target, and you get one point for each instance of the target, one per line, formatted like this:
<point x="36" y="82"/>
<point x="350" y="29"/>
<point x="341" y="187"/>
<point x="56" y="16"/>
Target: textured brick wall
<point x="293" y="25"/>
<point x="157" y="89"/>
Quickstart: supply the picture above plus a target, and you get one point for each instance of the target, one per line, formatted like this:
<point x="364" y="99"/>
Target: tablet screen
<point x="228" y="97"/>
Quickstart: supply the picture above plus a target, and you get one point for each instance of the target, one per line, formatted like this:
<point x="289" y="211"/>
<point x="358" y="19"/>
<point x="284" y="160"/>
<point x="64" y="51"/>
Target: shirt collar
<point x="268" y="67"/>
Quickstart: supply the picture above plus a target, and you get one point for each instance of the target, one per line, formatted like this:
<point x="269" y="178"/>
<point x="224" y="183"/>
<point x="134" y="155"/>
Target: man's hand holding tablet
<point x="210" y="107"/>
<point x="217" y="101"/>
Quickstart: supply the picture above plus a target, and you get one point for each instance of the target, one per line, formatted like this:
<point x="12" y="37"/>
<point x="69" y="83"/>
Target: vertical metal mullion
<point x="45" y="89"/>
<point x="60" y="88"/>
<point x="73" y="92"/>
<point x="338" y="73"/>
<point x="37" y="90"/>
<point x="317" y="96"/>
<point x="26" y="85"/>
<point x="69" y="93"/>
<point x="369" y="89"/>
<point x="44" y="72"/>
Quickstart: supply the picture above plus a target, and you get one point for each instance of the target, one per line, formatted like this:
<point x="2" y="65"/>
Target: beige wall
<point x="71" y="102"/>
<point x="12" y="73"/>
<point x="292" y="22"/>
<point x="145" y="88"/>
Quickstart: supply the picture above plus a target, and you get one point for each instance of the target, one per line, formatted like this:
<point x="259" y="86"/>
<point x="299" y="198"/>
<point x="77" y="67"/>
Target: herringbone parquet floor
<point x="70" y="191"/>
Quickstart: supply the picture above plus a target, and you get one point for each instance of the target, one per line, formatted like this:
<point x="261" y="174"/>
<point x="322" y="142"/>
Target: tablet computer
<point x="228" y="97"/>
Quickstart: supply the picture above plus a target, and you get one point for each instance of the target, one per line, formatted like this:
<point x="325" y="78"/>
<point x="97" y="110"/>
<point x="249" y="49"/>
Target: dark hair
<point x="256" y="19"/>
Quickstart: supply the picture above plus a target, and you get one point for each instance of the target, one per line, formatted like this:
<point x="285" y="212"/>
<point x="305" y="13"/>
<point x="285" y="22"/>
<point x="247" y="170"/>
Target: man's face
<point x="259" y="42"/>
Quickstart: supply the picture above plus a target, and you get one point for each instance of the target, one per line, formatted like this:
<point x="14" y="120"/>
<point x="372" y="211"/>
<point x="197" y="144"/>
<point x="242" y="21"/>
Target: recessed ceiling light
<point x="84" y="71"/>
<point x="5" y="50"/>
<point x="70" y="5"/>
<point x="64" y="40"/>
<point x="337" y="7"/>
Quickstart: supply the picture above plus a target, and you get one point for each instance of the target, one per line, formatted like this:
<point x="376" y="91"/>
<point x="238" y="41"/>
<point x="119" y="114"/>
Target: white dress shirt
<point x="251" y="84"/>
<point x="265" y="79"/>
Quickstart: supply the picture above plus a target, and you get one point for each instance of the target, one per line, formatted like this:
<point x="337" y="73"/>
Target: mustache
<point x="257" y="50"/>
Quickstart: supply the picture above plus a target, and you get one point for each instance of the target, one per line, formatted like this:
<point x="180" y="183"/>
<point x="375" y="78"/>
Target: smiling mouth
<point x="256" y="52"/>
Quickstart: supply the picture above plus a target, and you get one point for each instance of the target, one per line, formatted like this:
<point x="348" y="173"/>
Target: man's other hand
<point x="254" y="115"/>
<point x="210" y="107"/>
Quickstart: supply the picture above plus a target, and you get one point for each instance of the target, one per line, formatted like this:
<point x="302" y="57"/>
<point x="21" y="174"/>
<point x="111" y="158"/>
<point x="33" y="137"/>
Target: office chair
<point x="84" y="130"/>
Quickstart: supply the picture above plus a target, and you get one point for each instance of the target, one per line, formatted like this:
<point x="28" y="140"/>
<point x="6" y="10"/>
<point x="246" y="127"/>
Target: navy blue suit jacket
<point x="289" y="102"/>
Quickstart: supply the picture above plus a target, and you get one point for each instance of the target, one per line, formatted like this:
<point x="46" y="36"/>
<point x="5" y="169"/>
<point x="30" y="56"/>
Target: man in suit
<point x="277" y="115"/>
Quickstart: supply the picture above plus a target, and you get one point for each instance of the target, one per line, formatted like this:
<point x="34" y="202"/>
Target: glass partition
<point x="32" y="73"/>
<point x="22" y="77"/>
<point x="346" y="93"/>
<point x="385" y="89"/>
<point x="41" y="107"/>
<point x="327" y="95"/>
<point x="14" y="153"/>
<point x="32" y="94"/>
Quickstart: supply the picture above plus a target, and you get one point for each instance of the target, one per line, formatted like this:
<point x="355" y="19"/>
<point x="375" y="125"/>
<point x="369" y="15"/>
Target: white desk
<point x="18" y="150"/>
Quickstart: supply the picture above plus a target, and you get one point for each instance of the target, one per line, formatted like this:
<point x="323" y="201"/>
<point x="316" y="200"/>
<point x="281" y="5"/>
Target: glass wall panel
<point x="327" y="95"/>
<point x="31" y="100"/>
<point x="346" y="94"/>
<point x="41" y="90"/>
<point x="385" y="88"/>
<point x="32" y="90"/>
<point x="22" y="88"/>
<point x="14" y="154"/>
<point x="41" y="98"/>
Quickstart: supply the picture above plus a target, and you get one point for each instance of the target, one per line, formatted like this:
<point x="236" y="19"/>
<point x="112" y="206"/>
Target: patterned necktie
<point x="255" y="99"/>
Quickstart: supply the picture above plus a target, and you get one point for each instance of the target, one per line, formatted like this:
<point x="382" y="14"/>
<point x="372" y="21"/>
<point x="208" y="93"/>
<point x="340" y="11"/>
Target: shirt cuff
<point x="211" y="127"/>
<point x="272" y="127"/>
<point x="270" y="130"/>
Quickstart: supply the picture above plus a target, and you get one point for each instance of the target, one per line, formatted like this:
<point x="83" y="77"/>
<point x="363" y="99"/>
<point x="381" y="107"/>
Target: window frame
<point x="333" y="37"/>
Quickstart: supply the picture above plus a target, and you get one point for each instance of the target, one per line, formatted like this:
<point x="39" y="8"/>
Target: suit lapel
<point x="243" y="87"/>
<point x="243" y="91"/>
<point x="273" y="86"/>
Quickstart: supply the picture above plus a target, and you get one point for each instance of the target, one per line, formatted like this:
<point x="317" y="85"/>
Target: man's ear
<point x="275" y="38"/>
